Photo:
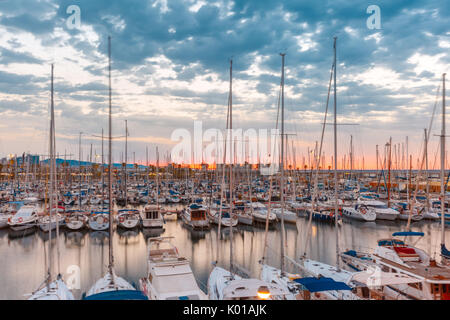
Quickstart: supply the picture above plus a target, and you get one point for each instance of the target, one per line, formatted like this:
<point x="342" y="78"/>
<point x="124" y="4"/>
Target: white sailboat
<point x="261" y="214"/>
<point x="52" y="289"/>
<point x="360" y="212"/>
<point x="25" y="218"/>
<point x="224" y="284"/>
<point x="445" y="253"/>
<point x="270" y="274"/>
<point x="111" y="286"/>
<point x="337" y="289"/>
<point x="76" y="219"/>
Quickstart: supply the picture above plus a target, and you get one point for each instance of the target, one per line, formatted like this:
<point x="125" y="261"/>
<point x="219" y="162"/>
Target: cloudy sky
<point x="170" y="67"/>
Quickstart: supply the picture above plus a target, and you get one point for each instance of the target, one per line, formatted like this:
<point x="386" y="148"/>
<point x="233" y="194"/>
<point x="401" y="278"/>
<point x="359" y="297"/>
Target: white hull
<point x="105" y="285"/>
<point x="386" y="216"/>
<point x="218" y="280"/>
<point x="355" y="214"/>
<point x="262" y="217"/>
<point x="129" y="223"/>
<point x="289" y="216"/>
<point x="57" y="290"/>
<point x="414" y="217"/>
<point x="246" y="219"/>
<point x="4" y="221"/>
<point x="75" y="224"/>
<point x="225" y="222"/>
<point x="152" y="223"/>
<point x="317" y="268"/>
<point x="430" y="215"/>
<point x="273" y="275"/>
<point x="98" y="223"/>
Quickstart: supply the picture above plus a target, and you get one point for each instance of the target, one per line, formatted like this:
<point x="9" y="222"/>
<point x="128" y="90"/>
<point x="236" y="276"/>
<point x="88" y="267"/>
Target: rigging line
<point x="422" y="163"/>
<point x="316" y="176"/>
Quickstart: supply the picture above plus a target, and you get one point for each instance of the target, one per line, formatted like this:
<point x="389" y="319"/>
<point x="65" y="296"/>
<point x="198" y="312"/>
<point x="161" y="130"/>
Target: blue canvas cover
<point x="313" y="284"/>
<point x="408" y="233"/>
<point x="118" y="295"/>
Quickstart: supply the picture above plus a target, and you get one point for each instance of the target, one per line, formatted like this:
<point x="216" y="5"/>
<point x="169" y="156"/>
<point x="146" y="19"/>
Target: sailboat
<point x="127" y="218"/>
<point x="270" y="274"/>
<point x="112" y="287"/>
<point x="52" y="289"/>
<point x="333" y="290"/>
<point x="394" y="255"/>
<point x="224" y="284"/>
<point x="445" y="253"/>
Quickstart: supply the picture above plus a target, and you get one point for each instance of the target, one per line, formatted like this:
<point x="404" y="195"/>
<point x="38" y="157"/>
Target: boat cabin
<point x="198" y="212"/>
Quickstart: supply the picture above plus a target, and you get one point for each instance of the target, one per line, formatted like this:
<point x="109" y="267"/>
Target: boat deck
<point x="430" y="273"/>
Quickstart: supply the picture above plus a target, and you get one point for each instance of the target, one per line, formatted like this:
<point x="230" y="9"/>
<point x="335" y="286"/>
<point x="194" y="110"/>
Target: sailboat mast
<point x="51" y="145"/>
<point x="231" y="165"/>
<point x="336" y="209"/>
<point x="389" y="173"/>
<point x="282" y="165"/>
<point x="79" y="170"/>
<point x="443" y="163"/>
<point x="103" y="176"/>
<point x="157" y="178"/>
<point x="126" y="162"/>
<point x="110" y="193"/>
<point x="426" y="170"/>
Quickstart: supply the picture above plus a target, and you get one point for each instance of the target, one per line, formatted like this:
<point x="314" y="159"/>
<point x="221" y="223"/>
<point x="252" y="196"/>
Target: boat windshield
<point x="390" y="242"/>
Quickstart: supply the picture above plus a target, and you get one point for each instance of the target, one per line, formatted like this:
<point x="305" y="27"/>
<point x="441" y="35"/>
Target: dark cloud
<point x="197" y="43"/>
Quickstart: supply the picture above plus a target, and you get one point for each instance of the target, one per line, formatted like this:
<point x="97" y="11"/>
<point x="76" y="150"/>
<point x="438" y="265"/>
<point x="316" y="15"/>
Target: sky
<point x="170" y="67"/>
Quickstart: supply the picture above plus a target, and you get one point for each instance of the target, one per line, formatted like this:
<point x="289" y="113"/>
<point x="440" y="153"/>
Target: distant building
<point x="24" y="159"/>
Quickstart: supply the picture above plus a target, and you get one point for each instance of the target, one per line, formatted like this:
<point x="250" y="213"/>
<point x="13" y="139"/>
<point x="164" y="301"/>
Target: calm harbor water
<point x="23" y="258"/>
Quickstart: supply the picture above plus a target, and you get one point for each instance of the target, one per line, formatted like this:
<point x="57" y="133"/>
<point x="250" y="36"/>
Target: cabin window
<point x="365" y="292"/>
<point x="417" y="286"/>
<point x="434" y="288"/>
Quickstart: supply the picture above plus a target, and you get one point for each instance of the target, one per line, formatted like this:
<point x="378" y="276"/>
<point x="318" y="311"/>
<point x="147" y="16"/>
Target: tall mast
<point x="103" y="176"/>
<point x="147" y="170"/>
<point x="282" y="165"/>
<point x="336" y="209"/>
<point x="389" y="172"/>
<point x="110" y="193"/>
<point x="426" y="169"/>
<point x="157" y="177"/>
<point x="126" y="161"/>
<point x="443" y="164"/>
<point x="231" y="165"/>
<point x="351" y="155"/>
<point x="408" y="185"/>
<point x="79" y="170"/>
<point x="51" y="145"/>
<point x="54" y="173"/>
<point x="376" y="155"/>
